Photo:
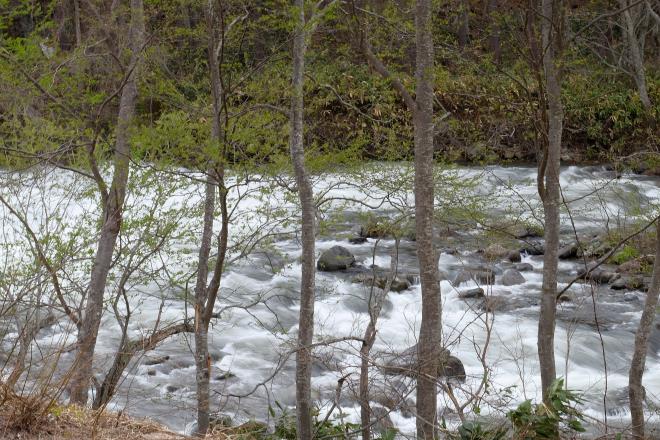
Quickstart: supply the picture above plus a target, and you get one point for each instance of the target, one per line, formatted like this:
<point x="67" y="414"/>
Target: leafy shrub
<point x="540" y="420"/>
<point x="626" y="254"/>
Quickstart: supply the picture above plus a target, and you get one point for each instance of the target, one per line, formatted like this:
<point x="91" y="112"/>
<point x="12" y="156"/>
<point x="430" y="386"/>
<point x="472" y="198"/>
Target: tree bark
<point x="635" y="55"/>
<point x="421" y="108"/>
<point x="112" y="218"/>
<point x="550" y="193"/>
<point x="306" y="196"/>
<point x="205" y="295"/>
<point x="431" y="324"/>
<point x="635" y="388"/>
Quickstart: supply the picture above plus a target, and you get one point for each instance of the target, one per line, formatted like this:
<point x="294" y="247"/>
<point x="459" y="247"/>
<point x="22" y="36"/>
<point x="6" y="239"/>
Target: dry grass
<point x="42" y="418"/>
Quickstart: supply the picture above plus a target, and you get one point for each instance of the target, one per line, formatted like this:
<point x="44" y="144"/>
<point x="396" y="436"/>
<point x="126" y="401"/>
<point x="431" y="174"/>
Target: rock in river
<point x="512" y="277"/>
<point x="334" y="259"/>
<point x="405" y="363"/>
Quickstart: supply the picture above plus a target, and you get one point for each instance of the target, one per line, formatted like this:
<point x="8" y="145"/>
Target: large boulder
<point x="533" y="248"/>
<point x="598" y="274"/>
<point x="568" y="251"/>
<point x="334" y="259"/>
<point x="627" y="283"/>
<point x="406" y="364"/>
<point x="511" y="277"/>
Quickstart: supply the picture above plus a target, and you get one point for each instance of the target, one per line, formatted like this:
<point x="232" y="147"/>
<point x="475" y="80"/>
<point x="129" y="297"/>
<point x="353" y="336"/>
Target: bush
<point x="540" y="420"/>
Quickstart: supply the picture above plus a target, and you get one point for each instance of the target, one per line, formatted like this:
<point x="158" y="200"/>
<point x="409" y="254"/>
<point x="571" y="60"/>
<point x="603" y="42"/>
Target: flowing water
<point x="249" y="345"/>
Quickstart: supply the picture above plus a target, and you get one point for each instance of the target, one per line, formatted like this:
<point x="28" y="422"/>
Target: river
<point x="249" y="345"/>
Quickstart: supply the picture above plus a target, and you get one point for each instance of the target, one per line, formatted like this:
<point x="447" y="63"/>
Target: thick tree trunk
<point x="429" y="335"/>
<point x="635" y="388"/>
<point x="550" y="195"/>
<point x="112" y="218"/>
<point x="306" y="196"/>
<point x="635" y="54"/>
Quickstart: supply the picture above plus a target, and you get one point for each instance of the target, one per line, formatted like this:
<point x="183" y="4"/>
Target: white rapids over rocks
<point x="249" y="343"/>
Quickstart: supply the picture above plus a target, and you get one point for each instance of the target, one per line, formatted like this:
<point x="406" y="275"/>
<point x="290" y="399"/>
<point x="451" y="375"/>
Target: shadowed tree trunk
<point x="635" y="54"/>
<point x="306" y="196"/>
<point x="464" y="24"/>
<point x="549" y="190"/>
<point x="113" y="203"/>
<point x="635" y="388"/>
<point x="494" y="34"/>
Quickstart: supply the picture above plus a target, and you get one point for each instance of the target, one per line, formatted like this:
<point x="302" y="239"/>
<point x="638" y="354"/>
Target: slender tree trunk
<point x="76" y="22"/>
<point x="112" y="218"/>
<point x="635" y="388"/>
<point x="635" y="55"/>
<point x="306" y="196"/>
<point x="464" y="24"/>
<point x="550" y="195"/>
<point x="429" y="335"/>
<point x="494" y="34"/>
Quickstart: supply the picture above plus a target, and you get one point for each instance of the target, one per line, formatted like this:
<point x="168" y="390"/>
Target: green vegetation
<point x="59" y="98"/>
<point x="540" y="420"/>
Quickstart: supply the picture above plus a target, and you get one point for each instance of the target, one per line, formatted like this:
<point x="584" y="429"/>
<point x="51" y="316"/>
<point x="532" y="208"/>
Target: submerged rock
<point x="477" y="292"/>
<point x="380" y="281"/>
<point x="157" y="360"/>
<point x="480" y="275"/>
<point x="334" y="259"/>
<point x="357" y="240"/>
<point x="523" y="267"/>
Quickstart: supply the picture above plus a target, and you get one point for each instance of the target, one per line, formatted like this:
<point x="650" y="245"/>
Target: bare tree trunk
<point x="429" y="334"/>
<point x="635" y="54"/>
<point x="494" y="34"/>
<point x="112" y="218"/>
<point x="76" y="22"/>
<point x="306" y="196"/>
<point x="550" y="193"/>
<point x="421" y="108"/>
<point x="635" y="388"/>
